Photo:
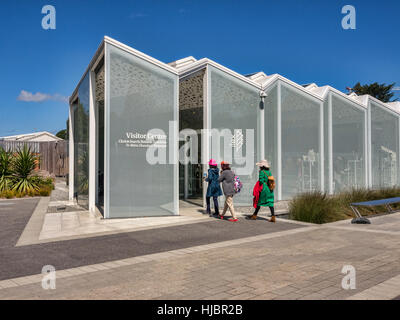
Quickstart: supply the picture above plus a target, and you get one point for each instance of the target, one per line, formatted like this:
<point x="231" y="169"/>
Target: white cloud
<point x="137" y="15"/>
<point x="396" y="89"/>
<point x="40" y="97"/>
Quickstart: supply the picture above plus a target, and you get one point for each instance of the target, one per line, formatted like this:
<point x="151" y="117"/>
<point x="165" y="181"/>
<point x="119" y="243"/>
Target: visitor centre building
<point x="142" y="131"/>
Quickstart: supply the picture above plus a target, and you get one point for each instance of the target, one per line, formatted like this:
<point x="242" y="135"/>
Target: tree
<point x="381" y="92"/>
<point x="62" y="134"/>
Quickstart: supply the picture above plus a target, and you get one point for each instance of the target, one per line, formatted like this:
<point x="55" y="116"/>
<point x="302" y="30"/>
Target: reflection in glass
<point x="348" y="136"/>
<point x="235" y="106"/>
<point x="81" y="143"/>
<point x="142" y="97"/>
<point x="384" y="147"/>
<point x="300" y="143"/>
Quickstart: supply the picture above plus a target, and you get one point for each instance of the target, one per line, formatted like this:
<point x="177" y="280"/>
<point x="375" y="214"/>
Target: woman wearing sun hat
<point x="213" y="189"/>
<point x="227" y="178"/>
<point x="266" y="195"/>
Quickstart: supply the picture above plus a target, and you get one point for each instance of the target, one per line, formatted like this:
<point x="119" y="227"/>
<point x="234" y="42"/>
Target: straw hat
<point x="263" y="163"/>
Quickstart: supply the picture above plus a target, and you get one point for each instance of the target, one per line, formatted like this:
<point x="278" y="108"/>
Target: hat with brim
<point x="263" y="163"/>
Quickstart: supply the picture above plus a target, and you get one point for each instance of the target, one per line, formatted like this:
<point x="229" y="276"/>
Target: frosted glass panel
<point x="270" y="124"/>
<point x="300" y="143"/>
<point x="384" y="147"/>
<point x="348" y="124"/>
<point x="81" y="144"/>
<point x="235" y="106"/>
<point x="326" y="144"/>
<point x="141" y="97"/>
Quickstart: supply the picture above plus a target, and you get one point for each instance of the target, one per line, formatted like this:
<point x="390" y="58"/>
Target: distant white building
<point x="35" y="136"/>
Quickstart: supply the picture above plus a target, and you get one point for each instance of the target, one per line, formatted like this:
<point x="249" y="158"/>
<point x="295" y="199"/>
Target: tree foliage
<point x="381" y="92"/>
<point x="62" y="134"/>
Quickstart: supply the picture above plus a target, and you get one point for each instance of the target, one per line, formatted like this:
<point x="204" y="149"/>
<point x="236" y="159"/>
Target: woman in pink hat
<point x="213" y="189"/>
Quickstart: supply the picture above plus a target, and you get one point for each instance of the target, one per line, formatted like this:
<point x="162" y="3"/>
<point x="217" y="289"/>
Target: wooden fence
<point x="53" y="155"/>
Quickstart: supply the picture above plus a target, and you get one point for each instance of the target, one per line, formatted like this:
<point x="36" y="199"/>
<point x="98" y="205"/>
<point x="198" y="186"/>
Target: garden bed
<point x="18" y="178"/>
<point x="318" y="207"/>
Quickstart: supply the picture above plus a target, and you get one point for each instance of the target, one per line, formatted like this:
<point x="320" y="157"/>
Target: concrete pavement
<point x="301" y="263"/>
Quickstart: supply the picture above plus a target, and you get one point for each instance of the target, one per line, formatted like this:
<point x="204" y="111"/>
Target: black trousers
<point x="270" y="208"/>
<point x="215" y="199"/>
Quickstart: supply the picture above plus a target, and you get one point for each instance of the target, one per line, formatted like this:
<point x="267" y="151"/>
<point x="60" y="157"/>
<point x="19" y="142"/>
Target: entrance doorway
<point x="191" y="113"/>
<point x="99" y="109"/>
<point x="191" y="180"/>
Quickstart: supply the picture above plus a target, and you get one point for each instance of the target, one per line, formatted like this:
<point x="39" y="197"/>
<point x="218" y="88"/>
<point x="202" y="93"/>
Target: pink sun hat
<point x="212" y="162"/>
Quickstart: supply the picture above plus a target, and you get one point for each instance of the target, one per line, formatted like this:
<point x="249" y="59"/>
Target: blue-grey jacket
<point x="213" y="189"/>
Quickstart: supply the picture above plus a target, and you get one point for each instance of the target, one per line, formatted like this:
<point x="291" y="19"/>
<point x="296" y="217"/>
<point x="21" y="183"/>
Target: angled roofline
<point x="202" y="63"/>
<point x="347" y="97"/>
<point x="140" y="54"/>
<point x="259" y="80"/>
<point x="383" y="104"/>
<point x="100" y="53"/>
<point x="30" y="135"/>
<point x="277" y="76"/>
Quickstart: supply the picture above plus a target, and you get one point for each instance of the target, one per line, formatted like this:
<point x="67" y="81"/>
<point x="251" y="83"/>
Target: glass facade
<point x="140" y="105"/>
<point x="234" y="114"/>
<point x="384" y="147"/>
<point x="141" y="97"/>
<point x="271" y="128"/>
<point x="348" y="144"/>
<point x="300" y="142"/>
<point x="191" y="117"/>
<point x="80" y="111"/>
<point x="99" y="110"/>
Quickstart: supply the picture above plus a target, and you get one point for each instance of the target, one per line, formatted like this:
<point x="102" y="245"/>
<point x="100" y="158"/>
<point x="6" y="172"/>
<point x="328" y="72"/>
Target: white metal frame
<point x="71" y="170"/>
<point x="360" y="102"/>
<point x="300" y="90"/>
<point x="389" y="110"/>
<point x="359" y="107"/>
<point x="174" y="139"/>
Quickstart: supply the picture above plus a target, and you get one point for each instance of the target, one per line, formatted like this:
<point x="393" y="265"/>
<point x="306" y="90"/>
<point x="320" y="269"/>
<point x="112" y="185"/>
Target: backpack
<point x="271" y="182"/>
<point x="237" y="184"/>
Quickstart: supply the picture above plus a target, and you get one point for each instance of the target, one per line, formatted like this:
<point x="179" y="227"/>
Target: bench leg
<point x="389" y="208"/>
<point x="356" y="212"/>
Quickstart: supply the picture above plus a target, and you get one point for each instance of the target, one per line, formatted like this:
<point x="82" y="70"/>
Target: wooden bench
<point x="382" y="202"/>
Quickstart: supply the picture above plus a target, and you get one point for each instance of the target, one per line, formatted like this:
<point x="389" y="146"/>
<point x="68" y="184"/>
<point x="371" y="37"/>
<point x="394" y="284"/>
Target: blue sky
<point x="303" y="40"/>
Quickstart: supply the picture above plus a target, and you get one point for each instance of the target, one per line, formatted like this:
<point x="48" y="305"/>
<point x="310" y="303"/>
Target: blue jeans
<point x="215" y="199"/>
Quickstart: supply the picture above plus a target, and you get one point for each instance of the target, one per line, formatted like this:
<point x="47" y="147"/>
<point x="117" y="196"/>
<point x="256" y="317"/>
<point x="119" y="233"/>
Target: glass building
<point x="142" y="132"/>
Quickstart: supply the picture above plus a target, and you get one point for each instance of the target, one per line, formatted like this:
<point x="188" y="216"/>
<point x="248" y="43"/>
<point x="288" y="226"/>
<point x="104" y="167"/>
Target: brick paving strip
<point x="388" y="289"/>
<point x="37" y="278"/>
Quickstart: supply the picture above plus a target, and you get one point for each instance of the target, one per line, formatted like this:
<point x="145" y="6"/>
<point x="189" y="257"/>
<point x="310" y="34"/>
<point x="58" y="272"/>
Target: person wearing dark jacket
<point x="213" y="189"/>
<point x="227" y="178"/>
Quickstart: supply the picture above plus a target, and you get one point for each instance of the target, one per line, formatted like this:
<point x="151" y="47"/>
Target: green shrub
<point x="318" y="207"/>
<point x="20" y="194"/>
<point x="23" y="166"/>
<point x="314" y="207"/>
<point x="16" y="178"/>
<point x="6" y="179"/>
<point x="45" y="191"/>
<point x="8" y="194"/>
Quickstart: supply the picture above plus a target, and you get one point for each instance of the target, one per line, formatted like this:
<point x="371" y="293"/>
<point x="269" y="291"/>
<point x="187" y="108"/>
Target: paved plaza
<point x="198" y="258"/>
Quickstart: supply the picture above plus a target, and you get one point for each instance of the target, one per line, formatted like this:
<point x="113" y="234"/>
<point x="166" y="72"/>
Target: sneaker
<point x="221" y="217"/>
<point x="233" y="219"/>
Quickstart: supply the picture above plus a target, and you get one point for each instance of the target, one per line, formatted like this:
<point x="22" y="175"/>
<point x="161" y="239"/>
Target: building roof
<point x="261" y="80"/>
<point x="32" y="136"/>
